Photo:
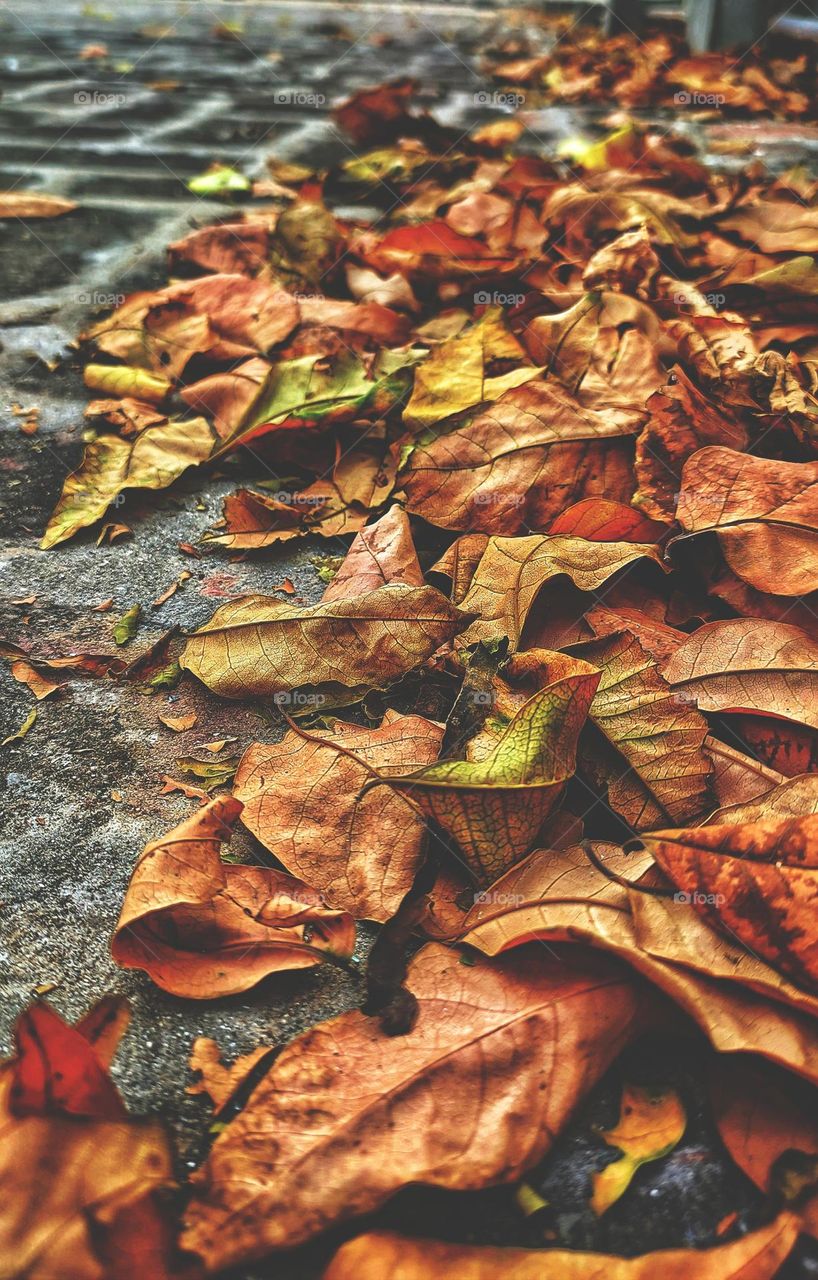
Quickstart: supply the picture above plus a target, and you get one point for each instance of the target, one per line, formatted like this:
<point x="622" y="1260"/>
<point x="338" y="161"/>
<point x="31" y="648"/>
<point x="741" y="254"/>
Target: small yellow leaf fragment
<point x="651" y="1123"/>
<point x="179" y="723"/>
<point x="23" y="730"/>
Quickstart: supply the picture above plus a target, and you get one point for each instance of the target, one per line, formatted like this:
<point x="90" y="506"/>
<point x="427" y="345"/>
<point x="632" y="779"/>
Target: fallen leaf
<point x="748" y="664"/>
<point x="111" y="465"/>
<point x="179" y="723"/>
<point x="493" y="808"/>
<point x="754" y="880"/>
<point x="203" y="928"/>
<point x="302" y="799"/>
<point x="83" y="1178"/>
<point x="20" y="733"/>
<point x="651" y="1122"/>
<point x="763" y="512"/>
<point x="33" y="204"/>
<point x="757" y="1256"/>
<point x="512" y="572"/>
<point x="28" y="675"/>
<point x="515" y="467"/>
<point x="658" y="739"/>
<point x="467" y="1058"/>
<point x="767" y="1121"/>
<point x="187" y="789"/>
<point x="454" y="377"/>
<point x="216" y="1080"/>
<point x="382" y="552"/>
<point x="557" y="896"/>
<point x="218" y="180"/>
<point x="125" y="627"/>
<point x="263" y="646"/>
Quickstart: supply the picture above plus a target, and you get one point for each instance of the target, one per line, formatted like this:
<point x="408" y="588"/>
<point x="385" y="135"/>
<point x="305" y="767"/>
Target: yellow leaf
<point x="651" y="1122"/>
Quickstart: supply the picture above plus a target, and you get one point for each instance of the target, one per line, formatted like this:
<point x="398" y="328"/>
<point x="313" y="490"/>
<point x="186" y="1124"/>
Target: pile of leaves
<point x="656" y="68"/>
<point x="568" y="417"/>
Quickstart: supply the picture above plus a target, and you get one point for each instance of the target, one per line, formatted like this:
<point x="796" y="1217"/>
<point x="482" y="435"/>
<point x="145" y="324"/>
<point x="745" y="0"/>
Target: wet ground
<point x="183" y="85"/>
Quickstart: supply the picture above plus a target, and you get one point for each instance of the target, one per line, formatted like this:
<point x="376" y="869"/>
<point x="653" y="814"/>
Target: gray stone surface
<point x="98" y="132"/>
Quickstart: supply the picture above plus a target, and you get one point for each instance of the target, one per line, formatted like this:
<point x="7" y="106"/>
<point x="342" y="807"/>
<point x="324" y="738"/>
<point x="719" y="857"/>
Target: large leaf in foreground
<point x="302" y="799"/>
<point x="203" y="928"/>
<point x="260" y="645"/>
<point x="757" y="1256"/>
<point x="156" y="458"/>
<point x="79" y="1178"/>
<point x="499" y="1057"/>
<point x="493" y="808"/>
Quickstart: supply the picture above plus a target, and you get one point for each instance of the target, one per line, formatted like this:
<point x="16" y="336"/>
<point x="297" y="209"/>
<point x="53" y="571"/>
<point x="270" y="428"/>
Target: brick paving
<point x="101" y="132"/>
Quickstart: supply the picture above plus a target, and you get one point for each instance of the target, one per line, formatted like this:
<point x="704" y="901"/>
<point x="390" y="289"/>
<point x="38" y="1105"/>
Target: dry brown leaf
<point x="658" y="763"/>
<point x="682" y="420"/>
<point x="179" y="723"/>
<point x="262" y="646"/>
<point x="382" y="552"/>
<point x="757" y="1256"/>
<point x="302" y="799"/>
<point x="763" y="1118"/>
<point x="748" y="664"/>
<point x="39" y="684"/>
<point x="764" y="513"/>
<point x="512" y="572"/>
<point x="215" y="1079"/>
<point x="515" y="467"/>
<point x="203" y="928"/>
<point x="33" y="204"/>
<point x="756" y="881"/>
<point x="319" y="1141"/>
<point x="533" y="901"/>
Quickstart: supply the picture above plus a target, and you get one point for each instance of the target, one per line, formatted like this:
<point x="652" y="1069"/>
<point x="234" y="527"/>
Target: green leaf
<point x="493" y="808"/>
<point x="125" y="628"/>
<point x="218" y="180"/>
